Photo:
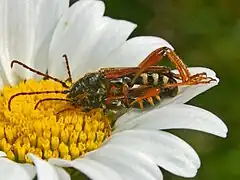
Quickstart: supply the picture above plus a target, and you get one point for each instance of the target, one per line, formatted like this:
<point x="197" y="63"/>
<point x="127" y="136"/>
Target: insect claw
<point x="212" y="79"/>
<point x="158" y="98"/>
<point x="150" y="100"/>
<point x="209" y="81"/>
<point x="140" y="104"/>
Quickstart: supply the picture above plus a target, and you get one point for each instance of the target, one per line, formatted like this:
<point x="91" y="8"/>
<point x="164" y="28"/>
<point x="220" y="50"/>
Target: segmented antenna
<point x="34" y="93"/>
<point x="68" y="68"/>
<point x="50" y="99"/>
<point x="38" y="72"/>
<point x="46" y="76"/>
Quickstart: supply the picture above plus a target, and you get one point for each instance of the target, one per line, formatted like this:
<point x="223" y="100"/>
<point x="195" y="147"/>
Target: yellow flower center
<point x="45" y="132"/>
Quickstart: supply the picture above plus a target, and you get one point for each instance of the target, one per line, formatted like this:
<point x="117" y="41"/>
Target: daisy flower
<point x="54" y="146"/>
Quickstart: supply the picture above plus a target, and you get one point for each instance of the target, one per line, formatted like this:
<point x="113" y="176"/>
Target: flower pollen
<point x="54" y="130"/>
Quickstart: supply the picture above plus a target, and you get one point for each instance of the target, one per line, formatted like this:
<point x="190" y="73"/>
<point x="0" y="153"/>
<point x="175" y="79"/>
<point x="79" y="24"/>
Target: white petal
<point x="45" y="171"/>
<point x="135" y="50"/>
<point x="178" y="116"/>
<point x="62" y="174"/>
<point x="165" y="149"/>
<point x="26" y="30"/>
<point x="112" y="34"/>
<point x="5" y="71"/>
<point x="1" y="82"/>
<point x="96" y="170"/>
<point x="60" y="162"/>
<point x="50" y="13"/>
<point x="74" y="30"/>
<point x="186" y="93"/>
<point x="129" y="164"/>
<point x="91" y="168"/>
<point x="2" y="154"/>
<point x="30" y="169"/>
<point x="10" y="170"/>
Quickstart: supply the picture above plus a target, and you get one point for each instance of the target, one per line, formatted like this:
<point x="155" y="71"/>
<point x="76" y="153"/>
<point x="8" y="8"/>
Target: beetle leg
<point x="150" y="60"/>
<point x="200" y="78"/>
<point x="156" y="56"/>
<point x="106" y="121"/>
<point x="109" y="99"/>
<point x="180" y="65"/>
<point x="50" y="99"/>
<point x="148" y="94"/>
<point x="119" y="90"/>
<point x="69" y="109"/>
<point x="125" y="93"/>
<point x="184" y="74"/>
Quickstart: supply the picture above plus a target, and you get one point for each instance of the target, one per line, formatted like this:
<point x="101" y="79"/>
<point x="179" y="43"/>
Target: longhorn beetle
<point x="116" y="87"/>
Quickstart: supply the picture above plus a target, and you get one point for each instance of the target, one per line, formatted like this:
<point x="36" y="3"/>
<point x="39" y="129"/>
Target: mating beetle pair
<point x="112" y="88"/>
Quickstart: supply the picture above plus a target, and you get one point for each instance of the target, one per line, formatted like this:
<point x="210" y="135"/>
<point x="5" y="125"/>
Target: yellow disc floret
<point x="45" y="132"/>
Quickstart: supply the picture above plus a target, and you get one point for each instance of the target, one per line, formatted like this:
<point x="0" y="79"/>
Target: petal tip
<point x="225" y="133"/>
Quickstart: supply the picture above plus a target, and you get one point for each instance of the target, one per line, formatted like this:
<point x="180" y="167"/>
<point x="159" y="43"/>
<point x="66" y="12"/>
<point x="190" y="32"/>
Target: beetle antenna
<point x="38" y="72"/>
<point x="34" y="93"/>
<point x="68" y="68"/>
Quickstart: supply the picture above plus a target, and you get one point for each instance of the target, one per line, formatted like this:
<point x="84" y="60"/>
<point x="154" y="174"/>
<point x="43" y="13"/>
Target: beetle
<point x="111" y="88"/>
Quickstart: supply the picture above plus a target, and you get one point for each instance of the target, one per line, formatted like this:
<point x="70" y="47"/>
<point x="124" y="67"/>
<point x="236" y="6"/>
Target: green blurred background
<point x="204" y="33"/>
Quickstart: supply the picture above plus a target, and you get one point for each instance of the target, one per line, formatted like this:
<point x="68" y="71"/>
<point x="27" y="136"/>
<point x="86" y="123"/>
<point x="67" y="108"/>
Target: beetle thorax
<point x="89" y="91"/>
